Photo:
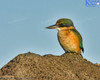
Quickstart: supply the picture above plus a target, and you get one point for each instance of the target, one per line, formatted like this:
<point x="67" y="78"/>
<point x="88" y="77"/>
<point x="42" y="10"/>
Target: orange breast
<point x="69" y="41"/>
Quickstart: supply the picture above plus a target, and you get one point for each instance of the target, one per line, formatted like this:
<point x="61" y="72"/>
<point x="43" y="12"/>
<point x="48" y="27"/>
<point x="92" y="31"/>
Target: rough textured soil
<point x="30" y="66"/>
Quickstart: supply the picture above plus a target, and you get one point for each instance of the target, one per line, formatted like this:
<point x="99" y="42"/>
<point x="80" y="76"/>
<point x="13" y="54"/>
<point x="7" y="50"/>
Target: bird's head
<point x="61" y="24"/>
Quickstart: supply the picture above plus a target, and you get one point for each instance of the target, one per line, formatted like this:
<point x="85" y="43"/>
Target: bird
<point x="69" y="38"/>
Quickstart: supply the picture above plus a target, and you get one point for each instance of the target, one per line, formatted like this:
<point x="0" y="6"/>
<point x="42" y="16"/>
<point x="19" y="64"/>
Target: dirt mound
<point x="30" y="66"/>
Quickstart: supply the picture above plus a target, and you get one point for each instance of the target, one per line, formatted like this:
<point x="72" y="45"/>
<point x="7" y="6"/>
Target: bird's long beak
<point x="52" y="27"/>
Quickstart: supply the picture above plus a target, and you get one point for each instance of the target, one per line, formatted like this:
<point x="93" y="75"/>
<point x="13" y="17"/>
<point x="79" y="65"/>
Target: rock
<point x="30" y="66"/>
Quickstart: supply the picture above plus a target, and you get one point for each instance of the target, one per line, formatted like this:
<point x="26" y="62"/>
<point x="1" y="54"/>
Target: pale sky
<point x="23" y="22"/>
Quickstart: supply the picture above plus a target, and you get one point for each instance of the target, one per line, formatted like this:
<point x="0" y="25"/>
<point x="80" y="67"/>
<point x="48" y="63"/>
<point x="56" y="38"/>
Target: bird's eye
<point x="61" y="25"/>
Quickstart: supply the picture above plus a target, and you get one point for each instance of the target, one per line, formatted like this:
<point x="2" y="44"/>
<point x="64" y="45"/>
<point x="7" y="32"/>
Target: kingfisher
<point x="69" y="38"/>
